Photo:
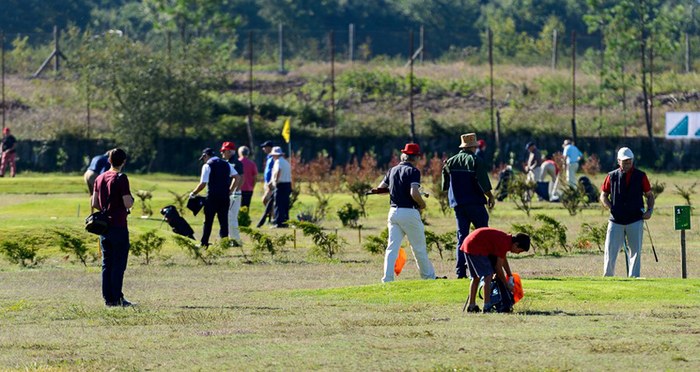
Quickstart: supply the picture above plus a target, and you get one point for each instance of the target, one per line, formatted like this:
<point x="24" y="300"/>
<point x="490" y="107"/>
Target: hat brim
<point x="625" y="158"/>
<point x="411" y="153"/>
<point x="465" y="145"/>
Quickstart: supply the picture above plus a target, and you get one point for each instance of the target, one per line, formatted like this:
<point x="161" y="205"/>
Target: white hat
<point x="624" y="154"/>
<point x="276" y="151"/>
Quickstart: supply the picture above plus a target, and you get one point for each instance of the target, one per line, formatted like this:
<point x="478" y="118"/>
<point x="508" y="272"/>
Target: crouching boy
<point x="481" y="244"/>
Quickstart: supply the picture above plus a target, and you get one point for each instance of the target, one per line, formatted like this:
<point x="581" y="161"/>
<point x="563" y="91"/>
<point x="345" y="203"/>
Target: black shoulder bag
<point x="98" y="222"/>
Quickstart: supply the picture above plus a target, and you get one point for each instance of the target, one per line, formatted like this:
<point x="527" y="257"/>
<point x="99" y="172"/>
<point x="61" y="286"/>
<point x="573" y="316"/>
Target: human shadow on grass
<point x="229" y="307"/>
<point x="554" y="313"/>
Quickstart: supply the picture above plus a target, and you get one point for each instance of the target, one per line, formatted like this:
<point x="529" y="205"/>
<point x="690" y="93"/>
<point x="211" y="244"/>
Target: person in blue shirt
<point x="572" y="156"/>
<point x="98" y="165"/>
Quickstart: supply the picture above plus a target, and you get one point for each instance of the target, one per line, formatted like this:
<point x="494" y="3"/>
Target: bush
<point x="657" y="188"/>
<point x="520" y="192"/>
<point x="145" y="197"/>
<point x="446" y="241"/>
<point x="324" y="244"/>
<point x="22" y="250"/>
<point x="147" y="244"/>
<point x="348" y="215"/>
<point x="244" y="217"/>
<point x="551" y="234"/>
<point x="591" y="234"/>
<point x="266" y="243"/>
<point x="573" y="198"/>
<point x="592" y="165"/>
<point x="376" y="244"/>
<point x="208" y="255"/>
<point x="71" y="242"/>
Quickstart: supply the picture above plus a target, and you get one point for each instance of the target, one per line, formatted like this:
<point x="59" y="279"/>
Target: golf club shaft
<point x="651" y="241"/>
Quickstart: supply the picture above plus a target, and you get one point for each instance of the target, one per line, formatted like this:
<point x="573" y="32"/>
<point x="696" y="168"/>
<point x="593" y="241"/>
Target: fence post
<point x="573" y="86"/>
<point x="687" y="53"/>
<point x="422" y="43"/>
<point x="410" y="92"/>
<point x="331" y="44"/>
<point x="351" y="43"/>
<point x="87" y="99"/>
<point x="4" y="104"/>
<point x="249" y="119"/>
<point x="491" y="112"/>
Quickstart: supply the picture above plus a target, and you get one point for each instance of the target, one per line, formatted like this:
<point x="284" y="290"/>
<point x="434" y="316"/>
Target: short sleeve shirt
<point x="572" y="154"/>
<point x="284" y="169"/>
<point x="646" y="186"/>
<point x="487" y="241"/>
<point x="110" y="187"/>
<point x="250" y="172"/>
<point x="8" y="142"/>
<point x="400" y="179"/>
<point x="99" y="164"/>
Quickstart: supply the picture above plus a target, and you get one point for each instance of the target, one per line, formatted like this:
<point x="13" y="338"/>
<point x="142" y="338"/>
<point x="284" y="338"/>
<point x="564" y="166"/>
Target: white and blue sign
<point x="683" y="125"/>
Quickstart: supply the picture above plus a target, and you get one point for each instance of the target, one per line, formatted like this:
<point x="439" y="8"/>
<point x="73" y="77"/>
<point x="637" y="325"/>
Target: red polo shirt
<point x="646" y="186"/>
<point x="487" y="241"/>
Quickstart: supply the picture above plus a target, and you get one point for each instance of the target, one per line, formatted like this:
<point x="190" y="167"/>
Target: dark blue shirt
<point x="267" y="176"/>
<point x="99" y="164"/>
<point x="400" y="178"/>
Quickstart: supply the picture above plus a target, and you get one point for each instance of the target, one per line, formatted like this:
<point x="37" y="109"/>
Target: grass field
<point x="300" y="311"/>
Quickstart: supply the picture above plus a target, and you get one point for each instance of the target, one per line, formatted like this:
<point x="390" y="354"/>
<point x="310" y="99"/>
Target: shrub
<point x="207" y="255"/>
<point x="520" y="192"/>
<point x="657" y="188"/>
<point x="244" y="217"/>
<point x="22" y="250"/>
<point x="686" y="194"/>
<point x="445" y="241"/>
<point x="180" y="201"/>
<point x="359" y="190"/>
<point x="434" y="172"/>
<point x="328" y="244"/>
<point x="348" y="215"/>
<point x="266" y="243"/>
<point x="376" y="244"/>
<point x="147" y="244"/>
<point x="71" y="242"/>
<point x="551" y="234"/>
<point x="591" y="234"/>
<point x="145" y="197"/>
<point x="573" y="198"/>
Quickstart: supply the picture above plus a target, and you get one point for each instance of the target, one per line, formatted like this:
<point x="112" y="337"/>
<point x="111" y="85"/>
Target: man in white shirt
<point x="221" y="180"/>
<point x="572" y="155"/>
<point x="281" y="183"/>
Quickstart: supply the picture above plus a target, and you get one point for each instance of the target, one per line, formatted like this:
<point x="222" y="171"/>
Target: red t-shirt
<point x="250" y="173"/>
<point x="110" y="190"/>
<point x="646" y="186"/>
<point x="487" y="241"/>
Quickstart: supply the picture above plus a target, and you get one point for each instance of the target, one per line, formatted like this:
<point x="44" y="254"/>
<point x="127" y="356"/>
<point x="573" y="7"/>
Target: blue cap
<point x="527" y="146"/>
<point x="266" y="143"/>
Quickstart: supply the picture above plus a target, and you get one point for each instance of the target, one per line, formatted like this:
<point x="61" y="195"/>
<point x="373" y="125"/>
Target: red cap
<point x="228" y="146"/>
<point x="481" y="143"/>
<point x="411" y="149"/>
<point x="6" y="130"/>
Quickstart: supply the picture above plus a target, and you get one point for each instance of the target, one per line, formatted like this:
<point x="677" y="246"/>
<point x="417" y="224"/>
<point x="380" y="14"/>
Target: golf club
<point x="651" y="241"/>
<point x="625" y="247"/>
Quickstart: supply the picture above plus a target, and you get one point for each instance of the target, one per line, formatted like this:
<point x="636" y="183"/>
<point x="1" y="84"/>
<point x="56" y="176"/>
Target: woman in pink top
<point x="250" y="174"/>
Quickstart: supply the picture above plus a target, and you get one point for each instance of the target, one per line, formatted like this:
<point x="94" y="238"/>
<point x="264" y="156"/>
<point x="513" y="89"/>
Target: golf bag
<point x="504" y="178"/>
<point x="178" y="224"/>
<point x="501" y="298"/>
<point x="542" y="190"/>
<point x="591" y="192"/>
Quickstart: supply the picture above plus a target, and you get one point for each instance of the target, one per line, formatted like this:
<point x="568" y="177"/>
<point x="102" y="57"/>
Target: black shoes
<point x="474" y="309"/>
<point x="122" y="302"/>
<point x="441" y="277"/>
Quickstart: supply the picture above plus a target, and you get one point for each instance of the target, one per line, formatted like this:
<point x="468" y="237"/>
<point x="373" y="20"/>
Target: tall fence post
<point x="422" y="43"/>
<point x="573" y="86"/>
<point x="687" y="53"/>
<point x="491" y="113"/>
<point x="55" y="54"/>
<point x="87" y="102"/>
<point x="280" y="37"/>
<point x="351" y="43"/>
<point x="554" y="49"/>
<point x="600" y="83"/>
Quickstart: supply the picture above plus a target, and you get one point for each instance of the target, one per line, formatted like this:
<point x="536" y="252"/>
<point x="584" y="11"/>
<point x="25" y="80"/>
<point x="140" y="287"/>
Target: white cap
<point x="276" y="151"/>
<point x="624" y="154"/>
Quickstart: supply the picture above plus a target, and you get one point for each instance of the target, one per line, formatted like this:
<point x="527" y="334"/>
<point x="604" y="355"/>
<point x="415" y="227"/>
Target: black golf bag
<point x="504" y="178"/>
<point x="542" y="190"/>
<point x="591" y="192"/>
<point x="501" y="298"/>
<point x="179" y="225"/>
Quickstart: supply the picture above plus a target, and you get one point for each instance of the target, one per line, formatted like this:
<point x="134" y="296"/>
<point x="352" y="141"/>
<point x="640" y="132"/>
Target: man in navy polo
<point x="221" y="180"/>
<point x="622" y="193"/>
<point x="403" y="182"/>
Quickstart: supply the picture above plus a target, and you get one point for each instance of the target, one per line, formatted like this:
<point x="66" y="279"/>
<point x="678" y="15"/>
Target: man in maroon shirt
<point x="112" y="194"/>
<point x="481" y="244"/>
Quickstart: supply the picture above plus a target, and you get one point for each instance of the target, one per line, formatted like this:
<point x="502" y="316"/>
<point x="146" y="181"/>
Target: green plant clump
<point x="550" y="235"/>
<point x="21" y="250"/>
<point x="325" y="244"/>
<point x="266" y="243"/>
<point x="349" y="215"/>
<point x="72" y="243"/>
<point x="376" y="244"/>
<point x="147" y="244"/>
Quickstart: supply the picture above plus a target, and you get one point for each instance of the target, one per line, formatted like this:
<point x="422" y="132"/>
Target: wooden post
<point x="280" y="37"/>
<point x="351" y="43"/>
<point x="294" y="238"/>
<point x="687" y="53"/>
<point x="491" y="113"/>
<point x="573" y="86"/>
<point x="2" y="67"/>
<point x="56" y="64"/>
<point x="359" y="234"/>
<point x="331" y="48"/>
<point x="422" y="43"/>
<point x="249" y="119"/>
<point x="87" y="101"/>
<point x="684" y="269"/>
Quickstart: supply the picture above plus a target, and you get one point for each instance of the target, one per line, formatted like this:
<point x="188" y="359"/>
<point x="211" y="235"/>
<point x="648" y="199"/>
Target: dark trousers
<point x="115" y="253"/>
<point x="246" y="197"/>
<point x="282" y="194"/>
<point x="219" y="207"/>
<point x="466" y="215"/>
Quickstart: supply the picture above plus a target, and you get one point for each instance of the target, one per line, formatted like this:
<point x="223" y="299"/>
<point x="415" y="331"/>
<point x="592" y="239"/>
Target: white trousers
<point x="614" y="241"/>
<point x="571" y="170"/>
<point x="234" y="206"/>
<point x="548" y="169"/>
<point x="406" y="222"/>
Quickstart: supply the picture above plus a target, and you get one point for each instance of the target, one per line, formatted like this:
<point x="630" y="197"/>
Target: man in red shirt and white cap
<point x="622" y="193"/>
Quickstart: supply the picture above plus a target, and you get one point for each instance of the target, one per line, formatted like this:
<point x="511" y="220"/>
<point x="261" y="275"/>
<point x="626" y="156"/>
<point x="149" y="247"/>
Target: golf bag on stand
<point x="591" y="192"/>
<point x="176" y="222"/>
<point x="504" y="178"/>
<point x="501" y="297"/>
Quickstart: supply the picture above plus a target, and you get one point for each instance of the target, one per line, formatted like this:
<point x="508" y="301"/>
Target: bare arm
<point x="650" y="205"/>
<point x="199" y="188"/>
<point x="605" y="199"/>
<point x="236" y="182"/>
<point x="417" y="197"/>
<point x="501" y="264"/>
<point x="128" y="201"/>
<point x="94" y="203"/>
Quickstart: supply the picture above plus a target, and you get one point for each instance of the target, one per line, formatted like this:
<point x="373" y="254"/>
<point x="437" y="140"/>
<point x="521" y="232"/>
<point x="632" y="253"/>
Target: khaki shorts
<point x="90" y="177"/>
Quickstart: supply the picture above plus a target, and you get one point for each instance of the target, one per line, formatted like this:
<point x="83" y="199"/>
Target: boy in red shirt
<point x="481" y="244"/>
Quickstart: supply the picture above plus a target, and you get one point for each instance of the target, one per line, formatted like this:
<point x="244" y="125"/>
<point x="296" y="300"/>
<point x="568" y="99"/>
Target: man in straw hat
<point x="403" y="182"/>
<point x="466" y="178"/>
<point x="622" y="193"/>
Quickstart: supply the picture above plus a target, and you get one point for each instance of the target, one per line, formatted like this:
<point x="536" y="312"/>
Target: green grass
<point x="299" y="311"/>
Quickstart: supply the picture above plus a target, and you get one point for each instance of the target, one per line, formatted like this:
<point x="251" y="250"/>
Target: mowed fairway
<point x="299" y="311"/>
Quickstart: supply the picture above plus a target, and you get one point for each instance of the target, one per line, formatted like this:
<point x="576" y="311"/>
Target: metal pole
<point x="4" y="104"/>
<point x="280" y="36"/>
<point x="554" y="49"/>
<point x="87" y="93"/>
<point x="56" y="64"/>
<point x="600" y="84"/>
<point x="351" y="43"/>
<point x="422" y="43"/>
<point x="410" y="92"/>
<point x="573" y="86"/>
<point x="651" y="82"/>
<point x="684" y="270"/>
<point x="493" y="126"/>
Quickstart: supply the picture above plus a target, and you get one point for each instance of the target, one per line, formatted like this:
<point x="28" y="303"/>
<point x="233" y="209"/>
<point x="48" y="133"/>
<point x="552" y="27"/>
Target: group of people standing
<point x="538" y="168"/>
